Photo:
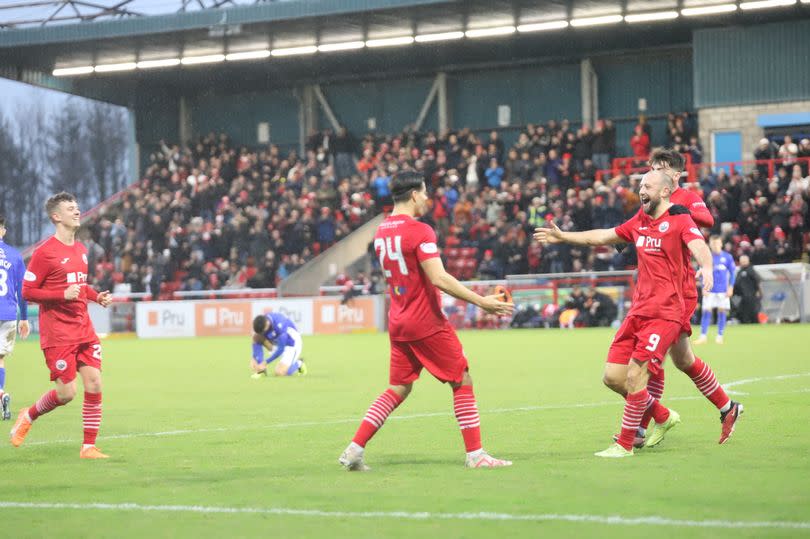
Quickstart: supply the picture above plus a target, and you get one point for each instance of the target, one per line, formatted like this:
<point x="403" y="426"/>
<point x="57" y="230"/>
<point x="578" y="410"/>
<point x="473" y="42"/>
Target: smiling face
<point x="64" y="210"/>
<point x="655" y="187"/>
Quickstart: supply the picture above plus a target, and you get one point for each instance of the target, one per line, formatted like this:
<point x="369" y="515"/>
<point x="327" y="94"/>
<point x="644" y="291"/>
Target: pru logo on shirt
<point x="648" y="243"/>
<point x="75" y="277"/>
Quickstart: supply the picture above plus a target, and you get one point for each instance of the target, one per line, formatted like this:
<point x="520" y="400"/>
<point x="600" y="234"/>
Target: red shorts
<point x="644" y="339"/>
<point x="64" y="360"/>
<point x="689" y="304"/>
<point x="441" y="354"/>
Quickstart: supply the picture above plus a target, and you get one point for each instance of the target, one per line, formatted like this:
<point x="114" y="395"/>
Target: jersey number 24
<point x="394" y="252"/>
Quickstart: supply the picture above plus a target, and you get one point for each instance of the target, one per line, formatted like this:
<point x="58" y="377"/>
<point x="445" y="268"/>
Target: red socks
<point x="91" y="417"/>
<point x="47" y="402"/>
<point x="655" y="386"/>
<point x="469" y="421"/>
<point x="703" y="377"/>
<point x="635" y="404"/>
<point x="375" y="416"/>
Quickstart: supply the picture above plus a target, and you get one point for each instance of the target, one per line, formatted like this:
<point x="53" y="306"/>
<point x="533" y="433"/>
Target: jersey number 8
<point x="3" y="282"/>
<point x="394" y="252"/>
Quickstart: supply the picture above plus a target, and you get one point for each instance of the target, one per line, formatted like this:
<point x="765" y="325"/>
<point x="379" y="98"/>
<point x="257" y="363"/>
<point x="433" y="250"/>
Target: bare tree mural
<point x="50" y="141"/>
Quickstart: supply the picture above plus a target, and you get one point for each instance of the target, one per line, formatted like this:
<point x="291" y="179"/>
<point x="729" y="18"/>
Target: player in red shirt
<point x="57" y="280"/>
<point x="671" y="163"/>
<point x="421" y="336"/>
<point x="661" y="233"/>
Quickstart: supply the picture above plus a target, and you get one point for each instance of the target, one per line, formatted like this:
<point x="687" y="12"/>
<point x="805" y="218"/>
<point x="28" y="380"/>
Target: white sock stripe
<point x="704" y="379"/>
<point x="381" y="409"/>
<point x="462" y="409"/>
<point x="702" y="371"/>
<point x="710" y="383"/>
<point x="375" y="419"/>
<point x="707" y="384"/>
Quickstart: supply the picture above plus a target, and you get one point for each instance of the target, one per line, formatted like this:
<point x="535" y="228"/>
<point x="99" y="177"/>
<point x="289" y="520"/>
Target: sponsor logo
<point x="224" y="318"/>
<point x="30" y="276"/>
<point x="75" y="277"/>
<point x="61" y="364"/>
<point x="643" y="227"/>
<point x="696" y="231"/>
<point x="84" y="258"/>
<point x="663" y="227"/>
<point x="429" y="248"/>
<point x="64" y="260"/>
<point x="332" y="317"/>
<point x="648" y="243"/>
<point x="166" y="318"/>
<point x="398" y="290"/>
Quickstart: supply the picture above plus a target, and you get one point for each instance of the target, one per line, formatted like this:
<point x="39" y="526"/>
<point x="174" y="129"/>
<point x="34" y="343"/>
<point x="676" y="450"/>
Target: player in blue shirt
<point x="278" y="333"/>
<point x="720" y="296"/>
<point x="12" y="271"/>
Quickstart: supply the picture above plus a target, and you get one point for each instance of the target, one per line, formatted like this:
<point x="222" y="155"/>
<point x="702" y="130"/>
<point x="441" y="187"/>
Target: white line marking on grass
<point x="406" y="515"/>
<point x="352" y="420"/>
<point x="406" y="417"/>
<point x="760" y="379"/>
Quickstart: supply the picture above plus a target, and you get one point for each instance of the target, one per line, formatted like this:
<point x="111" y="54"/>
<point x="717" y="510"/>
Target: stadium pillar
<point x="184" y="122"/>
<point x="589" y="91"/>
<point x="307" y="115"/>
<point x="441" y="97"/>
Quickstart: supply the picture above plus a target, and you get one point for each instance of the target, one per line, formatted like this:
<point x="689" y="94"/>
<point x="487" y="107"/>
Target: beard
<point x="652" y="205"/>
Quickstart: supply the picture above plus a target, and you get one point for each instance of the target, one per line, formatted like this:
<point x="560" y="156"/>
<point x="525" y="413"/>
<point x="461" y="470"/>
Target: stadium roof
<point x="117" y="34"/>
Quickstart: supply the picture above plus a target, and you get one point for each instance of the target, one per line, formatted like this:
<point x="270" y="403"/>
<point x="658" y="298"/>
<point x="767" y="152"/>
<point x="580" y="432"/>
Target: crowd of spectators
<point x="212" y="215"/>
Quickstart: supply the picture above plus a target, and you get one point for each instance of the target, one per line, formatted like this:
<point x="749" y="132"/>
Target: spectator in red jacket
<point x="640" y="143"/>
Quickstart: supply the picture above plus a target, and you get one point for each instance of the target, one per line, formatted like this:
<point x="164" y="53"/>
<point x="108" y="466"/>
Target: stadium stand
<point x="212" y="215"/>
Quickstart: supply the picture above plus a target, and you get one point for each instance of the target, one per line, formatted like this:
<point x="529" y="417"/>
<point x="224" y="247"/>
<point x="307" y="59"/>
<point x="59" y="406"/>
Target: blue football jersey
<point x="12" y="271"/>
<point x="724" y="272"/>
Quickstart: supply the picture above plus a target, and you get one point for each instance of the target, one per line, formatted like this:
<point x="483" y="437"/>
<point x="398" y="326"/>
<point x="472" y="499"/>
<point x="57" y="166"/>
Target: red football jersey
<point x="401" y="243"/>
<point x="660" y="245"/>
<point x="694" y="203"/>
<point x="53" y="267"/>
<point x="701" y="216"/>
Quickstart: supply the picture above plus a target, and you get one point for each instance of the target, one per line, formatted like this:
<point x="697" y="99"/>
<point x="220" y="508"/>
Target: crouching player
<point x="277" y="333"/>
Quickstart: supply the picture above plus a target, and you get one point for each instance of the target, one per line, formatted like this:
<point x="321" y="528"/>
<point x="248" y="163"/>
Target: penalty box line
<point x="616" y="520"/>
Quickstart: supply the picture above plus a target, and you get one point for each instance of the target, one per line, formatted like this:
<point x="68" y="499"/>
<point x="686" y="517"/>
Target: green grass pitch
<point x="186" y="426"/>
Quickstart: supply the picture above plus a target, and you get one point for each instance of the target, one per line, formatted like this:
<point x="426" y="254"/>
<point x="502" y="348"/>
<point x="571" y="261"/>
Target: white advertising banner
<point x="204" y="318"/>
<point x="165" y="319"/>
<point x="297" y="310"/>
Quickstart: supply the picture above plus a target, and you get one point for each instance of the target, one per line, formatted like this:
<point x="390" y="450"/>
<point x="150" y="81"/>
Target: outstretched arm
<point x="435" y="272"/>
<point x="598" y="236"/>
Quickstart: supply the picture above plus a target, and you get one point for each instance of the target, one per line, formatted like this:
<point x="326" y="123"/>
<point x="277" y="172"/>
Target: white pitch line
<point x="342" y="421"/>
<point x="616" y="520"/>
<point x="760" y="379"/>
<point x="538" y="408"/>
